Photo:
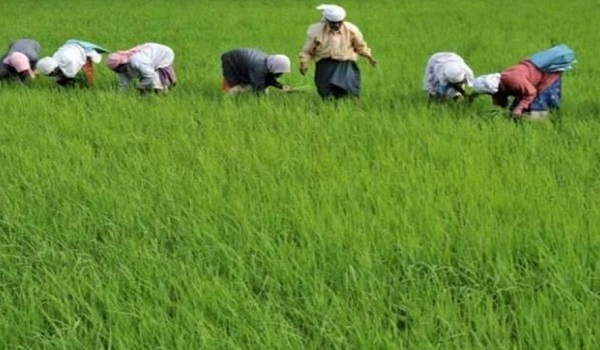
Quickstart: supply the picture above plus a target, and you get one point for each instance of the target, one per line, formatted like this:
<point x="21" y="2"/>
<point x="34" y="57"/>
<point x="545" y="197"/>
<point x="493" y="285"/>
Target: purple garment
<point x="167" y="76"/>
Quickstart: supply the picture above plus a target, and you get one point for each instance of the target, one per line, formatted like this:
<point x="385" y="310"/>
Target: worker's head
<point x="454" y="73"/>
<point x="47" y="66"/>
<point x="19" y="62"/>
<point x="278" y="64"/>
<point x="334" y="15"/>
<point x="116" y="60"/>
<point x="335" y="25"/>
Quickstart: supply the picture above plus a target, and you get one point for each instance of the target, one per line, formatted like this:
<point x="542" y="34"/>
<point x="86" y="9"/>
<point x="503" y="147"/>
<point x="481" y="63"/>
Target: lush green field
<point x="193" y="220"/>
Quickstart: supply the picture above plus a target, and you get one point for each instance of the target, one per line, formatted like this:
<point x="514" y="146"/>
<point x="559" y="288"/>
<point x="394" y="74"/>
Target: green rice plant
<point x="195" y="220"/>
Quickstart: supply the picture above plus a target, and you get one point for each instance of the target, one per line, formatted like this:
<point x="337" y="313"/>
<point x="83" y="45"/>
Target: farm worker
<point x="535" y="83"/>
<point x="253" y="70"/>
<point x="20" y="60"/>
<point x="446" y="75"/>
<point x="150" y="63"/>
<point x="335" y="44"/>
<point x="71" y="58"/>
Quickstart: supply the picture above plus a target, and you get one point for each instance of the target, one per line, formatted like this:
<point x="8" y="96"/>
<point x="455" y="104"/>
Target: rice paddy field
<point x="198" y="221"/>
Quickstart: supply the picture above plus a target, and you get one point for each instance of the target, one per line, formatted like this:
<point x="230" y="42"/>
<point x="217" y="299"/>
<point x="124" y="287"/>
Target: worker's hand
<point x="372" y="61"/>
<point x="236" y="89"/>
<point x="303" y="68"/>
<point x="516" y="114"/>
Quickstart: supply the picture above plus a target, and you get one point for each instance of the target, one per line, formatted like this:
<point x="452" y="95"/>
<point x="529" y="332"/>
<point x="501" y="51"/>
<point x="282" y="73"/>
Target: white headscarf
<point x="332" y="13"/>
<point x="278" y="64"/>
<point x="46" y="65"/>
<point x="487" y="83"/>
<point x="454" y="72"/>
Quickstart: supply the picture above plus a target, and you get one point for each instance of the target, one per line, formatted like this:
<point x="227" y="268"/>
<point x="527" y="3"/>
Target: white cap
<point x="46" y="65"/>
<point x="278" y="64"/>
<point x="488" y="83"/>
<point x="332" y="13"/>
<point x="454" y="72"/>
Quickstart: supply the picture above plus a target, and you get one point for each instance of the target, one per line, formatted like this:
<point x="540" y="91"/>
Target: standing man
<point x="20" y="60"/>
<point x="335" y="45"/>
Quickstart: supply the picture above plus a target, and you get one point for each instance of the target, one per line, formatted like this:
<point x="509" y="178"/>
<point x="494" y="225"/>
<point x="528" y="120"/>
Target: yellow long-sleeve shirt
<point x="343" y="45"/>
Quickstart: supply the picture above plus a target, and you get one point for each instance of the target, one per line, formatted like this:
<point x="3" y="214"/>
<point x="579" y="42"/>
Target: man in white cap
<point x="71" y="58"/>
<point x="20" y="60"/>
<point x="446" y="76"/>
<point x="253" y="70"/>
<point x="335" y="44"/>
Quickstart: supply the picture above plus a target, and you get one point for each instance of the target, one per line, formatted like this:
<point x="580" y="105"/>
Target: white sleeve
<point x="143" y="65"/>
<point x="469" y="75"/>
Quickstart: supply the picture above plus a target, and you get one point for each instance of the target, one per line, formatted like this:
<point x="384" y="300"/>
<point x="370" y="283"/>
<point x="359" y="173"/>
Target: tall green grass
<point x="193" y="220"/>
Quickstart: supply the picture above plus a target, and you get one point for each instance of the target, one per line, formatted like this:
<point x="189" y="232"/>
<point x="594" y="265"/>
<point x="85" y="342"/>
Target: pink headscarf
<point x="118" y="58"/>
<point x="18" y="61"/>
